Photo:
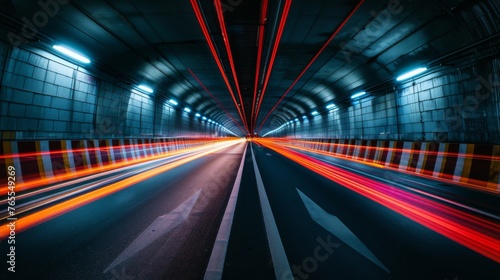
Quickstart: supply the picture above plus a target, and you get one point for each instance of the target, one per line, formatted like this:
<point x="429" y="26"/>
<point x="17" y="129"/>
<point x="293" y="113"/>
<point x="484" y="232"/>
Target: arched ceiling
<point x="247" y="62"/>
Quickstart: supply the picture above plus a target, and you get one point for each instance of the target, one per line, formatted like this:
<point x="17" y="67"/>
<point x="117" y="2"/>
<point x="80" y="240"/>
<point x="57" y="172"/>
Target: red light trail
<point x="476" y="233"/>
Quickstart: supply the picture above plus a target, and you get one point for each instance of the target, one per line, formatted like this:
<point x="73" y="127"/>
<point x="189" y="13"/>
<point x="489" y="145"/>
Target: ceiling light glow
<point x="411" y="74"/>
<point x="359" y="94"/>
<point x="71" y="54"/>
<point x="145" y="88"/>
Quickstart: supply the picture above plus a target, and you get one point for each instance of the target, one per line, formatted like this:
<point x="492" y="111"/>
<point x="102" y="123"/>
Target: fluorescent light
<point x="412" y="73"/>
<point x="359" y="94"/>
<point x="72" y="54"/>
<point x="173" y="102"/>
<point x="330" y="106"/>
<point x="315" y="113"/>
<point x="198" y="115"/>
<point x="145" y="88"/>
<point x="187" y="110"/>
<point x="296" y="120"/>
<point x="304" y="117"/>
<point x="204" y="118"/>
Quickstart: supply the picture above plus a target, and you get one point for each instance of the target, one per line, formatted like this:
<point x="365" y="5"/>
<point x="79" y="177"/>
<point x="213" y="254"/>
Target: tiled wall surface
<point x="45" y="97"/>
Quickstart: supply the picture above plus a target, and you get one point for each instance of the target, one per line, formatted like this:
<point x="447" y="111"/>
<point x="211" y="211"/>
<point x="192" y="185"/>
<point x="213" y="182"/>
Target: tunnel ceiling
<point x="249" y="64"/>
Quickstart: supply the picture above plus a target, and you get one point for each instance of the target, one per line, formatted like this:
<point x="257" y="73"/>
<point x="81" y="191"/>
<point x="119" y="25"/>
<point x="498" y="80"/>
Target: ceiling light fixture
<point x="145" y="88"/>
<point x="411" y="74"/>
<point x="72" y="54"/>
<point x="359" y="94"/>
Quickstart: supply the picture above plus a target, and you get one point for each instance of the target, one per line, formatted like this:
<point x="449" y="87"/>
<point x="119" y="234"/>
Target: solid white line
<point x="218" y="256"/>
<point x="280" y="261"/>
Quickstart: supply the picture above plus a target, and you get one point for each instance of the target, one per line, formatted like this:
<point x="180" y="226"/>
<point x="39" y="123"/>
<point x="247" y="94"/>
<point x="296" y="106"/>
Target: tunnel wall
<point x="45" y="97"/>
<point x="450" y="105"/>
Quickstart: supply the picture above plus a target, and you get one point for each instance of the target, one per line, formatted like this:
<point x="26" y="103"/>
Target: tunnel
<point x="249" y="139"/>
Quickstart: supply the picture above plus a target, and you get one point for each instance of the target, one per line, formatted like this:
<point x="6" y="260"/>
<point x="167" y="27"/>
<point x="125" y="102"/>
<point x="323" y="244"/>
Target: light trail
<point x="108" y="148"/>
<point x="81" y="186"/>
<point x="479" y="234"/>
<point x="36" y="183"/>
<point x="444" y="178"/>
<point x="346" y="147"/>
<point x="41" y="216"/>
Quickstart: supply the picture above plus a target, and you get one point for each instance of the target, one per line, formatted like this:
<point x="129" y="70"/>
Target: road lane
<point x="248" y="255"/>
<point x="408" y="249"/>
<point x="81" y="244"/>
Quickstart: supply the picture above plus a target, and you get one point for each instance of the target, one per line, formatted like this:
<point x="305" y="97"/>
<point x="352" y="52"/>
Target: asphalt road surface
<point x="289" y="223"/>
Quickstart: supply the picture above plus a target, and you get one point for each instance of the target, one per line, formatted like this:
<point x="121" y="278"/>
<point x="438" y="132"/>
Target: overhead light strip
<point x="201" y="21"/>
<point x="359" y="94"/>
<point x="276" y="44"/>
<point x="72" y="54"/>
<point x="411" y="74"/>
<point x="145" y="88"/>
<point x="216" y="100"/>
<point x="339" y="28"/>
<point x="225" y="37"/>
<point x="261" y="41"/>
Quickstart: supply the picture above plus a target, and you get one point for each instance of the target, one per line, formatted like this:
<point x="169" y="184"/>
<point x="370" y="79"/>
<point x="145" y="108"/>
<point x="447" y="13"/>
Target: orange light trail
<point x="32" y="184"/>
<point x="476" y="233"/>
<point x="51" y="212"/>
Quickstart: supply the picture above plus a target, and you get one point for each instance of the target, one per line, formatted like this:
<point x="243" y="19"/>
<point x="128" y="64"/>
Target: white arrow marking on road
<point x="161" y="226"/>
<point x="334" y="225"/>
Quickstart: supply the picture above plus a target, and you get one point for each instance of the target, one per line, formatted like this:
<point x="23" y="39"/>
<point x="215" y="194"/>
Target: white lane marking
<point x="218" y="256"/>
<point x="280" y="261"/>
<point x="161" y="226"/>
<point x="334" y="225"/>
